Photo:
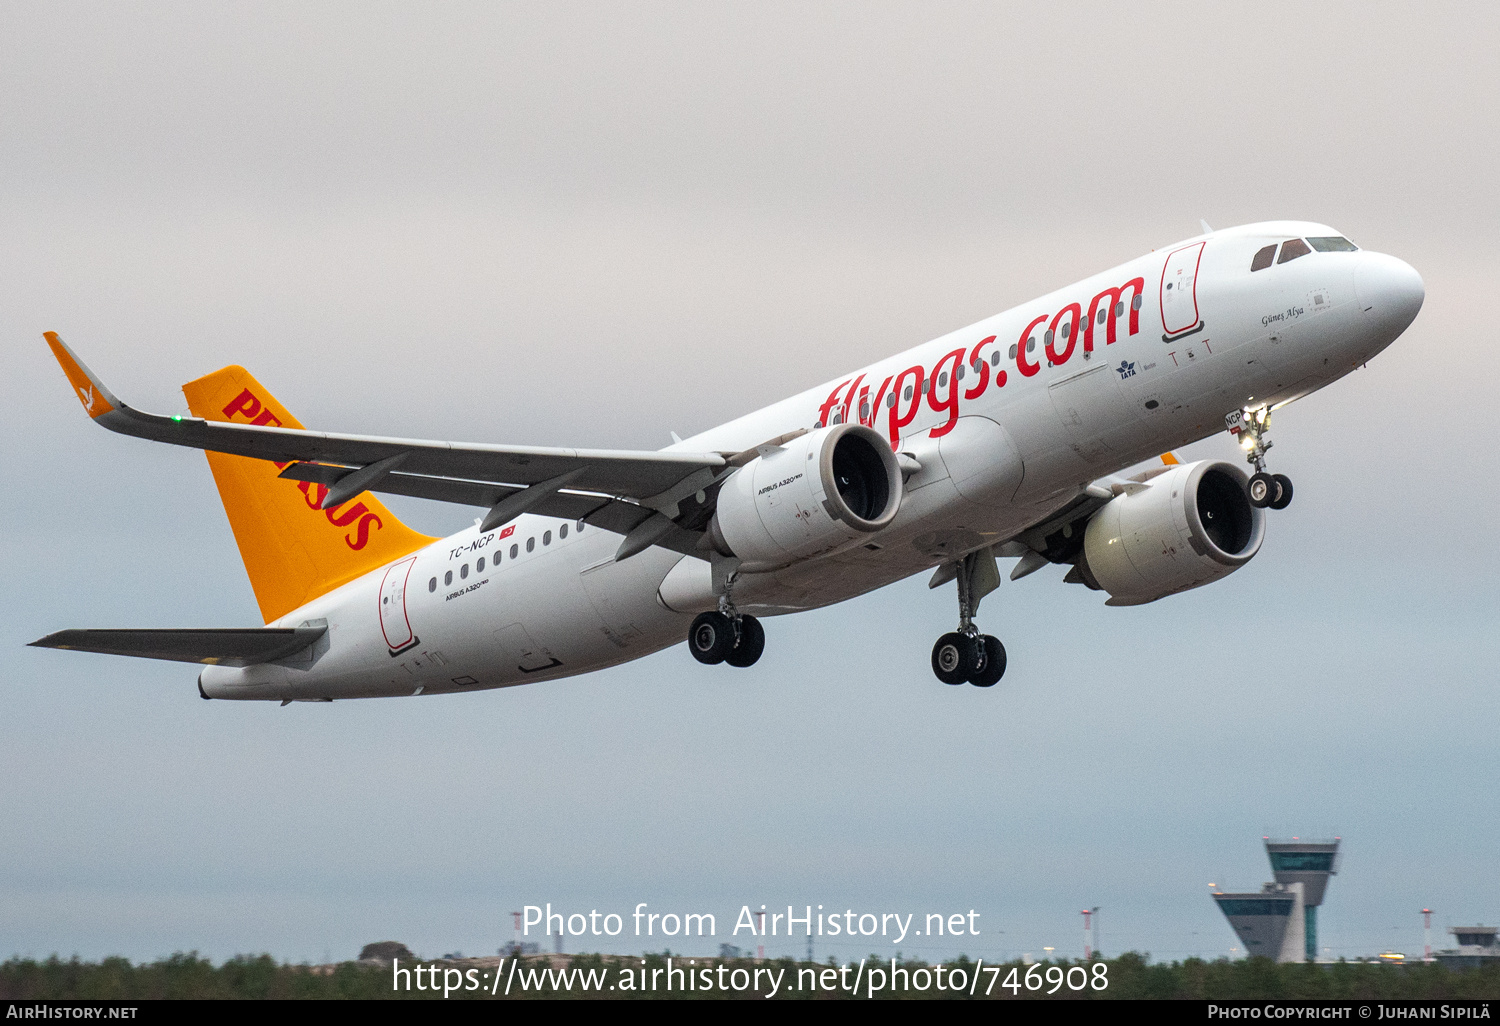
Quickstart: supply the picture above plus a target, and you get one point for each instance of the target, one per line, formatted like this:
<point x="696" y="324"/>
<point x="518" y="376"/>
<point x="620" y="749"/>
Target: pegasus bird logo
<point x="87" y="395"/>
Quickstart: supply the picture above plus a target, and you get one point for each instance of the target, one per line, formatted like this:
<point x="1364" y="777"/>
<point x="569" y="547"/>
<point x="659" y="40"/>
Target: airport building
<point x="1476" y="947"/>
<point x="1280" y="921"/>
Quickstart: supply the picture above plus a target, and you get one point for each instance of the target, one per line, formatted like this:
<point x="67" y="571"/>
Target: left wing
<point x="647" y="496"/>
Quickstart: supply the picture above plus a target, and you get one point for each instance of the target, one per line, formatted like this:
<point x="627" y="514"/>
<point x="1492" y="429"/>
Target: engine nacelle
<point x="1190" y="525"/>
<point x="821" y="492"/>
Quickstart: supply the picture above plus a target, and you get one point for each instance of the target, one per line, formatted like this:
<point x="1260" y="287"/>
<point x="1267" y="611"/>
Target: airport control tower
<point x="1281" y="920"/>
<point x="1309" y="863"/>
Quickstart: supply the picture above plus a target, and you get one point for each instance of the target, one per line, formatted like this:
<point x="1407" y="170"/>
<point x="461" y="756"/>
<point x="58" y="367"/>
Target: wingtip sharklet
<point x="96" y="399"/>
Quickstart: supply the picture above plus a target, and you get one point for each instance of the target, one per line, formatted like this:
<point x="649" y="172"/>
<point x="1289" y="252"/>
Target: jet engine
<point x="1182" y="529"/>
<point x="822" y="491"/>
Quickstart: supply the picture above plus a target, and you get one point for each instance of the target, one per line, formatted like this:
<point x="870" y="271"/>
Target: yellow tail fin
<point x="293" y="551"/>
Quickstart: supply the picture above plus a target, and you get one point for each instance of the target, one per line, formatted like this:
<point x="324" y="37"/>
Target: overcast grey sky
<point x="595" y="224"/>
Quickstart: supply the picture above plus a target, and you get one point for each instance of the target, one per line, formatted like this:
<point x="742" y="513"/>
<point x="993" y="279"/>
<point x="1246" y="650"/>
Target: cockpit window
<point x="1263" y="258"/>
<point x="1292" y="249"/>
<point x="1331" y="244"/>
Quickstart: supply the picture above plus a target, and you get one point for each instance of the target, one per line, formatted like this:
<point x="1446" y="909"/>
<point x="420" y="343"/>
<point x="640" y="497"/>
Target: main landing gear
<point x="973" y="658"/>
<point x="1273" y="490"/>
<point x="965" y="655"/>
<point x="724" y="638"/>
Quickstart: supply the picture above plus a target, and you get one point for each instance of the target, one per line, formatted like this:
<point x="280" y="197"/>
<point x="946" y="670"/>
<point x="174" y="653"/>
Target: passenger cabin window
<point x="530" y="544"/>
<point x="463" y="571"/>
<point x="1293" y="249"/>
<point x="479" y="566"/>
<point x="1332" y="244"/>
<point x="448" y="578"/>
<point x="432" y="584"/>
<point x="1263" y="258"/>
<point x="546" y="537"/>
<point x="562" y="532"/>
<point x="515" y="550"/>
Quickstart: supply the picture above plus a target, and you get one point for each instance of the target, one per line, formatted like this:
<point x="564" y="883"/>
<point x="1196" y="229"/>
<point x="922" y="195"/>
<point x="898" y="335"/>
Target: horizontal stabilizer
<point x="234" y="646"/>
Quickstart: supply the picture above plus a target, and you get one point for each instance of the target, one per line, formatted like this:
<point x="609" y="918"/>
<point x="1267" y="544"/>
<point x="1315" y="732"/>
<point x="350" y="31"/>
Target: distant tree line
<point x="1130" y="975"/>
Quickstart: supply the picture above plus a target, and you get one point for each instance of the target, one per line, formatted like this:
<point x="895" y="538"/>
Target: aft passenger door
<point x="394" y="623"/>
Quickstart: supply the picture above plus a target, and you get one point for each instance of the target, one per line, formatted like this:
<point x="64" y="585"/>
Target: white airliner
<point x="1004" y="439"/>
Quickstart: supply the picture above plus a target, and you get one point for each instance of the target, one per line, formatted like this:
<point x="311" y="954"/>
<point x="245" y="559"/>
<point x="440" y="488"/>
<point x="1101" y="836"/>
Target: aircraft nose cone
<point x="1389" y="290"/>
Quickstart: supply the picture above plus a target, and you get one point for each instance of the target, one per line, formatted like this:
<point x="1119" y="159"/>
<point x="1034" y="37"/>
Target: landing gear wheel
<point x="1283" y="491"/>
<point x="751" y="643"/>
<point x="992" y="667"/>
<point x="954" y="658"/>
<point x="711" y="638"/>
<point x="1261" y="490"/>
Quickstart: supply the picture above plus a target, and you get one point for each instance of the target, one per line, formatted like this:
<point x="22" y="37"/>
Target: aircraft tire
<point x="1283" y="492"/>
<point x="954" y="658"/>
<point x="752" y="643"/>
<point x="1261" y="490"/>
<point x="711" y="638"/>
<point x="988" y="675"/>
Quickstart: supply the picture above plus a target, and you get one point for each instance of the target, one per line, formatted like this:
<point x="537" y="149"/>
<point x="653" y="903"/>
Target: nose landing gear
<point x="965" y="655"/>
<point x="1251" y="425"/>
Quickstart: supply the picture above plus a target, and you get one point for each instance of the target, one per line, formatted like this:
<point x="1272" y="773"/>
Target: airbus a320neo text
<point x="1013" y="438"/>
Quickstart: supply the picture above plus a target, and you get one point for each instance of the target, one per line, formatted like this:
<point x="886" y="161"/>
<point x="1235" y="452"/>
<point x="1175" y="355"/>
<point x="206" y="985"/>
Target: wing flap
<point x="224" y="647"/>
<point x="595" y="510"/>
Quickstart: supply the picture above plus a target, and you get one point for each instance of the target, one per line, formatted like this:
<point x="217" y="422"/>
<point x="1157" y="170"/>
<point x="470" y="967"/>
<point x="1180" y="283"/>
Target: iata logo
<point x="249" y="406"/>
<point x="1126" y="369"/>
